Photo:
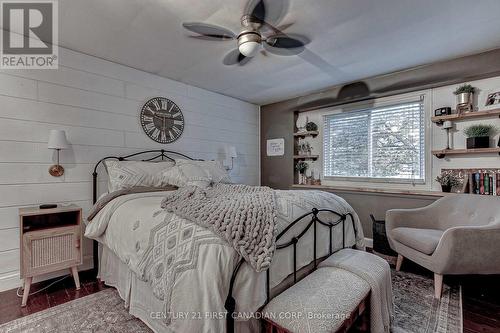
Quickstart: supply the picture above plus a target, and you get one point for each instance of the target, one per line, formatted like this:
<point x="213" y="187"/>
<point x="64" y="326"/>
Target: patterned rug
<point x="416" y="311"/>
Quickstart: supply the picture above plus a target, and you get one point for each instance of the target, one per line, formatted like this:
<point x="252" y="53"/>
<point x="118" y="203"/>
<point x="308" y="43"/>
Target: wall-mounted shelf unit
<point x="466" y="116"/>
<point x="305" y="157"/>
<point x="304" y="134"/>
<point x="442" y="153"/>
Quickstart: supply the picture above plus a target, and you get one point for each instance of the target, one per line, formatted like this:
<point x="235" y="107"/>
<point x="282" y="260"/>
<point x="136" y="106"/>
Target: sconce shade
<point x="57" y="140"/>
<point x="231" y="152"/>
<point x="447" y="124"/>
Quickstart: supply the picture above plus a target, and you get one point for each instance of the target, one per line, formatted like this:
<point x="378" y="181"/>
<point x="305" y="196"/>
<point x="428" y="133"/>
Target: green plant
<point x="475" y="131"/>
<point x="311" y="126"/>
<point x="465" y="88"/>
<point x="301" y="166"/>
<point x="448" y="179"/>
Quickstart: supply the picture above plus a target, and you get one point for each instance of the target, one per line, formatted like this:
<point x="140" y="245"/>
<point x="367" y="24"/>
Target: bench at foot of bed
<point x="328" y="300"/>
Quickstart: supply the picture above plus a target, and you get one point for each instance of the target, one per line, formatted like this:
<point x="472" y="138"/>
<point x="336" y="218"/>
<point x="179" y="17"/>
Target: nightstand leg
<point x="27" y="286"/>
<point x="74" y="271"/>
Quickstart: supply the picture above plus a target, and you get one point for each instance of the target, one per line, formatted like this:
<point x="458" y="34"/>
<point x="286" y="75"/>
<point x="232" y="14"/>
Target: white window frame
<point x="381" y="102"/>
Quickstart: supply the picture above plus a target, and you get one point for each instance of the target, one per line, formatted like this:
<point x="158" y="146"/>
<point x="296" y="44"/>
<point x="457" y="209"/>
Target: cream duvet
<point x="189" y="267"/>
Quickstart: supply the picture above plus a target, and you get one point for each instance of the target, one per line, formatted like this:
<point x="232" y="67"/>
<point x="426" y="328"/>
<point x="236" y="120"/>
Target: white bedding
<point x="188" y="268"/>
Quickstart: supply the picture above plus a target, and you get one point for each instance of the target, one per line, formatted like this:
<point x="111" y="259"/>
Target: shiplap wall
<point x="97" y="103"/>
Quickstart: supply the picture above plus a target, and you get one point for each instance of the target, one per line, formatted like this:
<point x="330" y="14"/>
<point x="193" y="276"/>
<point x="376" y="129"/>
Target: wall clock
<point x="162" y="120"/>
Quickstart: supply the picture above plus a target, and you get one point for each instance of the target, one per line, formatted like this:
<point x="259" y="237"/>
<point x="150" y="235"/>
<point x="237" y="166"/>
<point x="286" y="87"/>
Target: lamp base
<point x="56" y="171"/>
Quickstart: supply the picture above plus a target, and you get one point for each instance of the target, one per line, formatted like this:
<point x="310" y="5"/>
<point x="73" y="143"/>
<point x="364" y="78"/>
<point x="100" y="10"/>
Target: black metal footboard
<point x="230" y="303"/>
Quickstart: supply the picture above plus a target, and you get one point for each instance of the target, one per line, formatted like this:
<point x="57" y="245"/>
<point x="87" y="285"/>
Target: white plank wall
<point x="97" y="103"/>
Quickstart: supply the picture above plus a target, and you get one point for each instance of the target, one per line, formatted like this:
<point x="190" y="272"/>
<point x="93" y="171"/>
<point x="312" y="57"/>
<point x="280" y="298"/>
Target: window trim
<point x="381" y="102"/>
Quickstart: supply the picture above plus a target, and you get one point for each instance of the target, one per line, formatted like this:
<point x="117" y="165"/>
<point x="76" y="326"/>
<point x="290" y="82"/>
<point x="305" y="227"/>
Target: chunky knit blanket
<point x="242" y="215"/>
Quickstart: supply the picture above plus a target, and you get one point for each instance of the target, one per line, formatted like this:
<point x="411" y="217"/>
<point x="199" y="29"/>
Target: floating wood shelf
<point x="442" y="153"/>
<point x="466" y="116"/>
<point x="304" y="134"/>
<point x="305" y="157"/>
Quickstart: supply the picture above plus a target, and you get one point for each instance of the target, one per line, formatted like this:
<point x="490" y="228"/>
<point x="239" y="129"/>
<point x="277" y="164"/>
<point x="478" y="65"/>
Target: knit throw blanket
<point x="242" y="215"/>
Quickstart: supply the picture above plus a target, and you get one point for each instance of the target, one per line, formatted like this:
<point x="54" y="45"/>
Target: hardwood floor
<point x="59" y="293"/>
<point x="481" y="298"/>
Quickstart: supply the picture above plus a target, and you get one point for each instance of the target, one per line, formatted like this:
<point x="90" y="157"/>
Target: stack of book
<point x="484" y="183"/>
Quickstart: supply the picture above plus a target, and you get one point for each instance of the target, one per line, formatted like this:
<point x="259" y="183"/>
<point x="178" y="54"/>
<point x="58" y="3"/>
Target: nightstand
<point x="50" y="241"/>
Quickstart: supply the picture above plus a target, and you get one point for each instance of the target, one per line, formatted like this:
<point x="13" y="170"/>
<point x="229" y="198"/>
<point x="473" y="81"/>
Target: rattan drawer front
<point x="51" y="249"/>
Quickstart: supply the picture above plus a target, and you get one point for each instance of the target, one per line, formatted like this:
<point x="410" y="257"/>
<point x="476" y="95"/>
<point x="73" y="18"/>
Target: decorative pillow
<point x="185" y="173"/>
<point x="127" y="174"/>
<point x="214" y="170"/>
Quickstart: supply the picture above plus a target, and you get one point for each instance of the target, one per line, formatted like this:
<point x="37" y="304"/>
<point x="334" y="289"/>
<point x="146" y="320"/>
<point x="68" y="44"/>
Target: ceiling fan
<point x="259" y="29"/>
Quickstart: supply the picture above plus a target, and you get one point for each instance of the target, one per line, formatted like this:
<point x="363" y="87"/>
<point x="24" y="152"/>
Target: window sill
<point x="373" y="190"/>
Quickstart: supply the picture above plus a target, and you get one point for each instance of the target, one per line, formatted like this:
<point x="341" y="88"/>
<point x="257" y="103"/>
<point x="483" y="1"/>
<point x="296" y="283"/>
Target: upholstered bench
<point x="327" y="300"/>
<point x="346" y="285"/>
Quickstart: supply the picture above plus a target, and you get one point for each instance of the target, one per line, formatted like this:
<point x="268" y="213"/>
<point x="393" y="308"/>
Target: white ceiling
<point x="351" y="40"/>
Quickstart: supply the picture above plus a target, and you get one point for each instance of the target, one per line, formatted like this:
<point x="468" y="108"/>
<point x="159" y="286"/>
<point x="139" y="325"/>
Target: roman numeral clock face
<point x="162" y="120"/>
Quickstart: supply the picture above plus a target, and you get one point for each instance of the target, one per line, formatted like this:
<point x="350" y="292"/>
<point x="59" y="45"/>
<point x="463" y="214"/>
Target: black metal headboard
<point x="161" y="155"/>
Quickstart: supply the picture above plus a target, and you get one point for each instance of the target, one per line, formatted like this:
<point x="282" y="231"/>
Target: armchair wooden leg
<point x="438" y="285"/>
<point x="399" y="262"/>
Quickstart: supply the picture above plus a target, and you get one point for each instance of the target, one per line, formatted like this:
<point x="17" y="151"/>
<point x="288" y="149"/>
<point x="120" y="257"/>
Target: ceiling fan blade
<point x="256" y="9"/>
<point x="286" y="44"/>
<point x="268" y="11"/>
<point x="235" y="58"/>
<point x="209" y="37"/>
<point x="209" y="30"/>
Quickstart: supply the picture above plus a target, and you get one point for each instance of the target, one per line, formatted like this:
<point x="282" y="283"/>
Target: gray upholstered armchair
<point x="457" y="234"/>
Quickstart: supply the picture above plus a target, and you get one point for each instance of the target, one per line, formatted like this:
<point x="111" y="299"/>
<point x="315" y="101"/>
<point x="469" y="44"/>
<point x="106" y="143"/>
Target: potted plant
<point x="478" y="136"/>
<point x="464" y="96"/>
<point x="311" y="127"/>
<point x="301" y="167"/>
<point x="447" y="181"/>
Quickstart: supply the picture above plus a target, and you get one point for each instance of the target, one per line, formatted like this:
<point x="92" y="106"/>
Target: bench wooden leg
<point x="399" y="262"/>
<point x="438" y="285"/>
<point x="27" y="285"/>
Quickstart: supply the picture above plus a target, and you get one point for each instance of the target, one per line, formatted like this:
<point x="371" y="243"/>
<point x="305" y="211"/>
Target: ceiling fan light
<point x="249" y="49"/>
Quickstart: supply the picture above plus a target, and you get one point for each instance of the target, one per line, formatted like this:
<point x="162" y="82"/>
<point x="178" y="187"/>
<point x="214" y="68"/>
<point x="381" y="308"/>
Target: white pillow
<point x="127" y="174"/>
<point x="185" y="173"/>
<point x="214" y="170"/>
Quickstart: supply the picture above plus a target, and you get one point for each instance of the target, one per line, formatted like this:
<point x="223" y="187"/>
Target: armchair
<point x="457" y="234"/>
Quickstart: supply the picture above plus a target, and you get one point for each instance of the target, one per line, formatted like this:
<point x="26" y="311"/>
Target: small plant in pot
<point x="478" y="136"/>
<point x="447" y="181"/>
<point x="464" y="94"/>
<point x="301" y="167"/>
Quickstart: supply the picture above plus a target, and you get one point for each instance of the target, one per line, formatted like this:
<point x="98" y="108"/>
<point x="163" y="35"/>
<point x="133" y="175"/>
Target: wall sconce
<point x="448" y="126"/>
<point x="57" y="141"/>
<point x="230" y="154"/>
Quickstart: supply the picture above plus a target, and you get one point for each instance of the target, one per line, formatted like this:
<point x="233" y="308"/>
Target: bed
<point x="178" y="276"/>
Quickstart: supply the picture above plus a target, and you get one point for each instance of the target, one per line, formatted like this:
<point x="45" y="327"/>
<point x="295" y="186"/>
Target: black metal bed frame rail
<point x="161" y="154"/>
<point x="230" y="303"/>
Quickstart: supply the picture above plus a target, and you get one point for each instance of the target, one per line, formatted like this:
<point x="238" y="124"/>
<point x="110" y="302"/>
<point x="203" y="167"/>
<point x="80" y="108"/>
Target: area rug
<point x="416" y="311"/>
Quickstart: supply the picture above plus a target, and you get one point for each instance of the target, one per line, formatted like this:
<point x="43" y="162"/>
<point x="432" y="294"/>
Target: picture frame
<point x="492" y="100"/>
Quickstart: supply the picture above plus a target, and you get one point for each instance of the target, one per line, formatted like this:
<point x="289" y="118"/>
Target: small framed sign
<point x="276" y="147"/>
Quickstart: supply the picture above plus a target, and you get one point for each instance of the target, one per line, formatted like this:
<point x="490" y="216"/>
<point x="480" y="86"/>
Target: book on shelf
<point x="482" y="183"/>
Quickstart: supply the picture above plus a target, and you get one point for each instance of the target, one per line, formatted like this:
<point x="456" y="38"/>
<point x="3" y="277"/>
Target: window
<point x="384" y="143"/>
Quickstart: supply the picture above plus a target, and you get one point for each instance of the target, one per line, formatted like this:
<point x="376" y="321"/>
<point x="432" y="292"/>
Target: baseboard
<point x="12" y="280"/>
<point x="369" y="242"/>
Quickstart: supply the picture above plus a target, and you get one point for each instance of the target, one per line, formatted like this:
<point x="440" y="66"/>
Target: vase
<point x="478" y="142"/>
<point x="446" y="188"/>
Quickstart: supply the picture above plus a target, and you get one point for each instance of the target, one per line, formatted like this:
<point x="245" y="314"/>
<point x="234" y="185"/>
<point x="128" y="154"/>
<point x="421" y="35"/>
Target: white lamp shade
<point x="447" y="124"/>
<point x="57" y="140"/>
<point x="231" y="152"/>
